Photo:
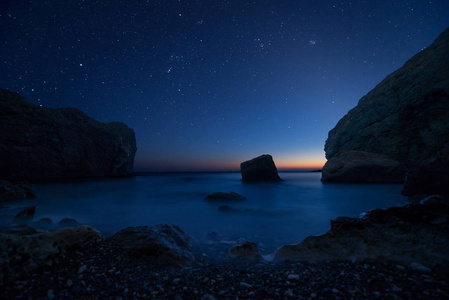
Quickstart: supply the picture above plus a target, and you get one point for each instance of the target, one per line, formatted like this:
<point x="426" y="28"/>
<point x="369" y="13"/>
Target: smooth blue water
<point x="276" y="213"/>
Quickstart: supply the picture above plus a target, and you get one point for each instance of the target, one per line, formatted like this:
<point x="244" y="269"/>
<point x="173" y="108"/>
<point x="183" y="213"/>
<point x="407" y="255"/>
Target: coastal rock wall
<point x="406" y="115"/>
<point x="43" y="143"/>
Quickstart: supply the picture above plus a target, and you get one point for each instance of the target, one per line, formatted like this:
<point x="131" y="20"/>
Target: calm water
<point x="273" y="214"/>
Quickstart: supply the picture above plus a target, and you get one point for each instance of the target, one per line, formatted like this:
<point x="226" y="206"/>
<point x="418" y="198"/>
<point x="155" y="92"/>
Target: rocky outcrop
<point x="24" y="250"/>
<point x="406" y="115"/>
<point x="430" y="178"/>
<point x="248" y="252"/>
<point x="360" y="166"/>
<point x="9" y="191"/>
<point x="261" y="168"/>
<point x="413" y="233"/>
<point x="43" y="143"/>
<point x="164" y="245"/>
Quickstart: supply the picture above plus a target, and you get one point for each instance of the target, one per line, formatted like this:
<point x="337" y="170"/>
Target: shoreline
<point x="102" y="270"/>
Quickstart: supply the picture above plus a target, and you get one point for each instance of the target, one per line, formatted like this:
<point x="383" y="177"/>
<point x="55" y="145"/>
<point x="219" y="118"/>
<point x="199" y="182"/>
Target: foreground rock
<point x="360" y="166"/>
<point x="261" y="168"/>
<point x="10" y="191"/>
<point x="42" y="143"/>
<point x="23" y="250"/>
<point x="406" y="115"/>
<point x="164" y="245"/>
<point x="429" y="178"/>
<point x="415" y="233"/>
<point x="248" y="251"/>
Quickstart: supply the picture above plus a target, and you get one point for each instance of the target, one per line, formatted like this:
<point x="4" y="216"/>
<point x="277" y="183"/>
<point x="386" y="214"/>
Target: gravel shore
<point x="104" y="271"/>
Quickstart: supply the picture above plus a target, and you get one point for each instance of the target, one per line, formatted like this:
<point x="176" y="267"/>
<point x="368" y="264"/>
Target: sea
<point x="272" y="215"/>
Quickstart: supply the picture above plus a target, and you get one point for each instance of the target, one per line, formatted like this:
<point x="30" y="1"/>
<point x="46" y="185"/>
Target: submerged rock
<point x="27" y="214"/>
<point x="232" y="196"/>
<point x="415" y="233"/>
<point x="360" y="166"/>
<point x="164" y="245"/>
<point x="9" y="191"/>
<point x="248" y="251"/>
<point x="68" y="222"/>
<point x="23" y="251"/>
<point x="406" y="115"/>
<point x="39" y="143"/>
<point x="261" y="168"/>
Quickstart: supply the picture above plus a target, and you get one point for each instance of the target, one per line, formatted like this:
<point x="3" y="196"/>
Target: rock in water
<point x="23" y="252"/>
<point x="359" y="166"/>
<point x="261" y="168"/>
<point x="406" y="115"/>
<point x="44" y="143"/>
<point x="27" y="214"/>
<point x="164" y="245"/>
<point x="9" y="191"/>
<point x="416" y="233"/>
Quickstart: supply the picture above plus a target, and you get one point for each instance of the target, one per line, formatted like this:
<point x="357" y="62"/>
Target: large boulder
<point x="164" y="245"/>
<point x="415" y="233"/>
<point x="406" y="115"/>
<point x="24" y="250"/>
<point x="43" y="143"/>
<point x="430" y="178"/>
<point x="248" y="251"/>
<point x="261" y="168"/>
<point x="360" y="166"/>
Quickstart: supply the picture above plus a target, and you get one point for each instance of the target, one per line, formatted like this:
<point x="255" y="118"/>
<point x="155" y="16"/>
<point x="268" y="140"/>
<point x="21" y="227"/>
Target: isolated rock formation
<point x="430" y="178"/>
<point x="406" y="115"/>
<point x="360" y="166"/>
<point x="164" y="245"/>
<point x="43" y="143"/>
<point x="261" y="168"/>
<point x="413" y="233"/>
<point x="24" y="250"/>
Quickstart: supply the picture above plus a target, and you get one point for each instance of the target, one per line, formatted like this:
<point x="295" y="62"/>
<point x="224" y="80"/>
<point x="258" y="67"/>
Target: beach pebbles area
<point x="104" y="271"/>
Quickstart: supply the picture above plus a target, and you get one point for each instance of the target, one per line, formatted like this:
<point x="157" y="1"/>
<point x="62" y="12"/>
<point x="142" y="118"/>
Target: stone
<point x="9" y="191"/>
<point x="38" y="143"/>
<point x="68" y="222"/>
<point x="232" y="196"/>
<point x="163" y="245"/>
<point x="24" y="252"/>
<point x="27" y="214"/>
<point x="360" y="166"/>
<point x="248" y="251"/>
<point x="261" y="168"/>
<point x="406" y="234"/>
<point x="405" y="117"/>
<point x="431" y="178"/>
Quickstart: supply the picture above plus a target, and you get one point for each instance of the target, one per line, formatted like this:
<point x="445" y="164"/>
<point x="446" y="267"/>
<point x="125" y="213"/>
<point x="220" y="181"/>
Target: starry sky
<point x="207" y="84"/>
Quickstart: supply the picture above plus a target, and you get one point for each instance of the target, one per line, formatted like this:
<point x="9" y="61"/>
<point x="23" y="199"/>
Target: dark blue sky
<point x="208" y="84"/>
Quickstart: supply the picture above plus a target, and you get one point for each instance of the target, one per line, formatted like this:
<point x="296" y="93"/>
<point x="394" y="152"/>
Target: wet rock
<point x="22" y="253"/>
<point x="9" y="191"/>
<point x="261" y="168"/>
<point x="27" y="214"/>
<point x="232" y="196"/>
<point x="39" y="143"/>
<point x="412" y="233"/>
<point x="248" y="251"/>
<point x="164" y="245"/>
<point x="405" y="116"/>
<point x="44" y="223"/>
<point x="68" y="222"/>
<point x="360" y="166"/>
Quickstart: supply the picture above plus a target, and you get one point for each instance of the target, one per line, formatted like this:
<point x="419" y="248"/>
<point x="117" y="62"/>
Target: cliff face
<point x="405" y="116"/>
<point x="41" y="143"/>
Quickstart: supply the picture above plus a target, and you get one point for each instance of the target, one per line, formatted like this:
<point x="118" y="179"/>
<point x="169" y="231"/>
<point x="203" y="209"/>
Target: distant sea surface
<point x="273" y="214"/>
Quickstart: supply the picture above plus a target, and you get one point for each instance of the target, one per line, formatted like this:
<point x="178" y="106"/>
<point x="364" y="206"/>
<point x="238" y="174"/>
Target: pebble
<point x="293" y="277"/>
<point x="50" y="294"/>
<point x="247" y="285"/>
<point x="82" y="269"/>
<point x="420" y="268"/>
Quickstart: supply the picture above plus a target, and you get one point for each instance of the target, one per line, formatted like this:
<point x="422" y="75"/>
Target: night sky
<point x="208" y="84"/>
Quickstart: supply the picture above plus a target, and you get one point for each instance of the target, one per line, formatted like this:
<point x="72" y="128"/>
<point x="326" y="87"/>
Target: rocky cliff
<point x="42" y="143"/>
<point x="406" y="115"/>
